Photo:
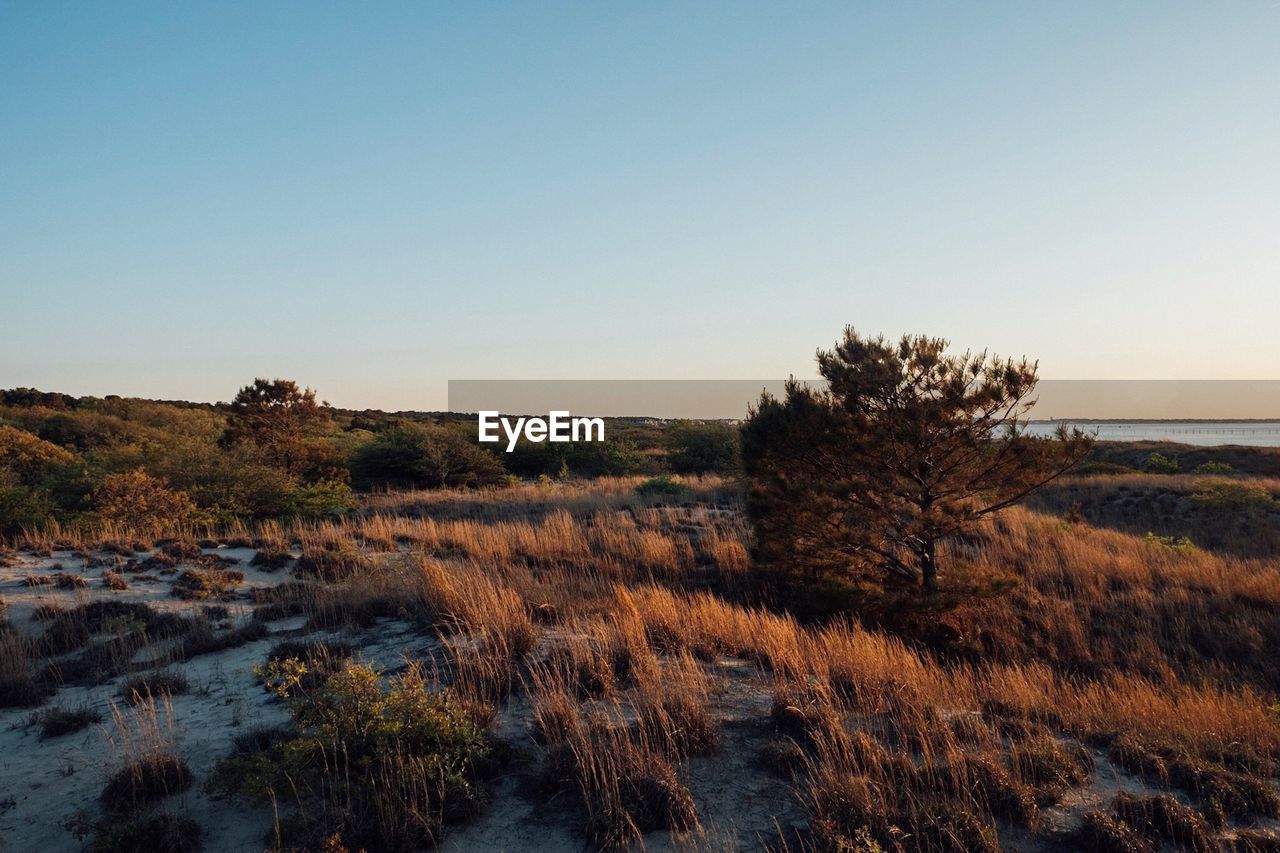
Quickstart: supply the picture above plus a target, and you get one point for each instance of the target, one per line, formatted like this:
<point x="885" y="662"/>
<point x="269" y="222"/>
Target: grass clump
<point x="271" y="557"/>
<point x="200" y="584"/>
<point x="20" y="686"/>
<point x="45" y="612"/>
<point x="64" y="721"/>
<point x="332" y="560"/>
<point x="144" y="781"/>
<point x="1051" y="767"/>
<point x="1256" y="841"/>
<point x="1101" y="832"/>
<point x="1164" y="818"/>
<point x="137" y="690"/>
<point x="160" y="833"/>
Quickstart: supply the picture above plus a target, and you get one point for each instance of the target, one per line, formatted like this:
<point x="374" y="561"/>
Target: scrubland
<point x="578" y="665"/>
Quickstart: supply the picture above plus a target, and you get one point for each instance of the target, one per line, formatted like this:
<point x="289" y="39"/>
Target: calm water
<point x="1204" y="432"/>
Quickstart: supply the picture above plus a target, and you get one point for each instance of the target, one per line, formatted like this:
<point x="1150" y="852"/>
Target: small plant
<point x="64" y="721"/>
<point x="199" y="584"/>
<point x="663" y="486"/>
<point x="114" y="581"/>
<point x="1214" y="469"/>
<point x="1178" y="544"/>
<point x="409" y="757"/>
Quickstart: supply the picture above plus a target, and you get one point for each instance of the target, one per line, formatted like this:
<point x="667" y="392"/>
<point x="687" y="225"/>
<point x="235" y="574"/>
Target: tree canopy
<point x="906" y="446"/>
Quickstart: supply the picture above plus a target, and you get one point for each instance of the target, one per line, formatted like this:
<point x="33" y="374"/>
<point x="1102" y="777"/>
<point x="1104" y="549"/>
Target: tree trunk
<point x="929" y="567"/>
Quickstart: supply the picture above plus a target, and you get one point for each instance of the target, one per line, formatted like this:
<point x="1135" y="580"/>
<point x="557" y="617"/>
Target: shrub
<point x="325" y="499"/>
<point x="62" y="580"/>
<point x="23" y="507"/>
<point x="114" y="581"/>
<point x="1101" y="469"/>
<point x="425" y="455"/>
<point x="702" y="448"/>
<point x="199" y="584"/>
<point x="145" y="781"/>
<point x="662" y="486"/>
<point x="1222" y="496"/>
<point x="139" y="501"/>
<point x="1158" y="463"/>
<point x="1180" y="544"/>
<point x="410" y="757"/>
<point x="1212" y="468"/>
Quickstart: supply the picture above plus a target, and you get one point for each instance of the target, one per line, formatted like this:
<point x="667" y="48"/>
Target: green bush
<point x="663" y="486"/>
<point x="325" y="499"/>
<point x="695" y="447"/>
<point x="409" y="757"/>
<point x="1180" y="544"/>
<point x="1158" y="463"/>
<point x="1211" y="468"/>
<point x="425" y="456"/>
<point x="1101" y="469"/>
<point x="1228" y="496"/>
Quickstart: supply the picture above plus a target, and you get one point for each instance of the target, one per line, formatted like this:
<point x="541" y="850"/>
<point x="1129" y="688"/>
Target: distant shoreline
<point x="1154" y="420"/>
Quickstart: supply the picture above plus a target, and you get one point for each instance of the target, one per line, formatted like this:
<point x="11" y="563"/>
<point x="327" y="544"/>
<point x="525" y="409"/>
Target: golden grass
<point x="610" y="612"/>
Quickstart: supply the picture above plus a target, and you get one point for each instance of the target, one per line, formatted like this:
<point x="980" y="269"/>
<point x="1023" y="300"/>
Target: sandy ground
<point x="43" y="782"/>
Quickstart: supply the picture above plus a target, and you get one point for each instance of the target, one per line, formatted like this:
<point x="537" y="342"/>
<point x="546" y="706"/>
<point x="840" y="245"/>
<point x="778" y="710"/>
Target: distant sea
<point x="1209" y="433"/>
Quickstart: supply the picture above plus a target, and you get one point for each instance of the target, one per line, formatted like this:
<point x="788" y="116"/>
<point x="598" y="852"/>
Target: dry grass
<point x="606" y="616"/>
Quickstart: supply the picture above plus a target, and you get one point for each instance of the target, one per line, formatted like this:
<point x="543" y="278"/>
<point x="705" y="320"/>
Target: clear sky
<point x="375" y="198"/>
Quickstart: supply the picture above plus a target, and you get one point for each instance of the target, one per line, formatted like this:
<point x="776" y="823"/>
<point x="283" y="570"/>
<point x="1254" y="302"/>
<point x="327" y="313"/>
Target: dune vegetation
<point x="601" y="657"/>
<point x="358" y="631"/>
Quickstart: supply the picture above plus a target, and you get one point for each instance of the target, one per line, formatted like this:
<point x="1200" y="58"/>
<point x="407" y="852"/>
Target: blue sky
<point x="375" y="198"/>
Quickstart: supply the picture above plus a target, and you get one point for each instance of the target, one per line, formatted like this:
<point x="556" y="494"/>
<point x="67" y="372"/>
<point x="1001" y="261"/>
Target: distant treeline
<point x="274" y="451"/>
